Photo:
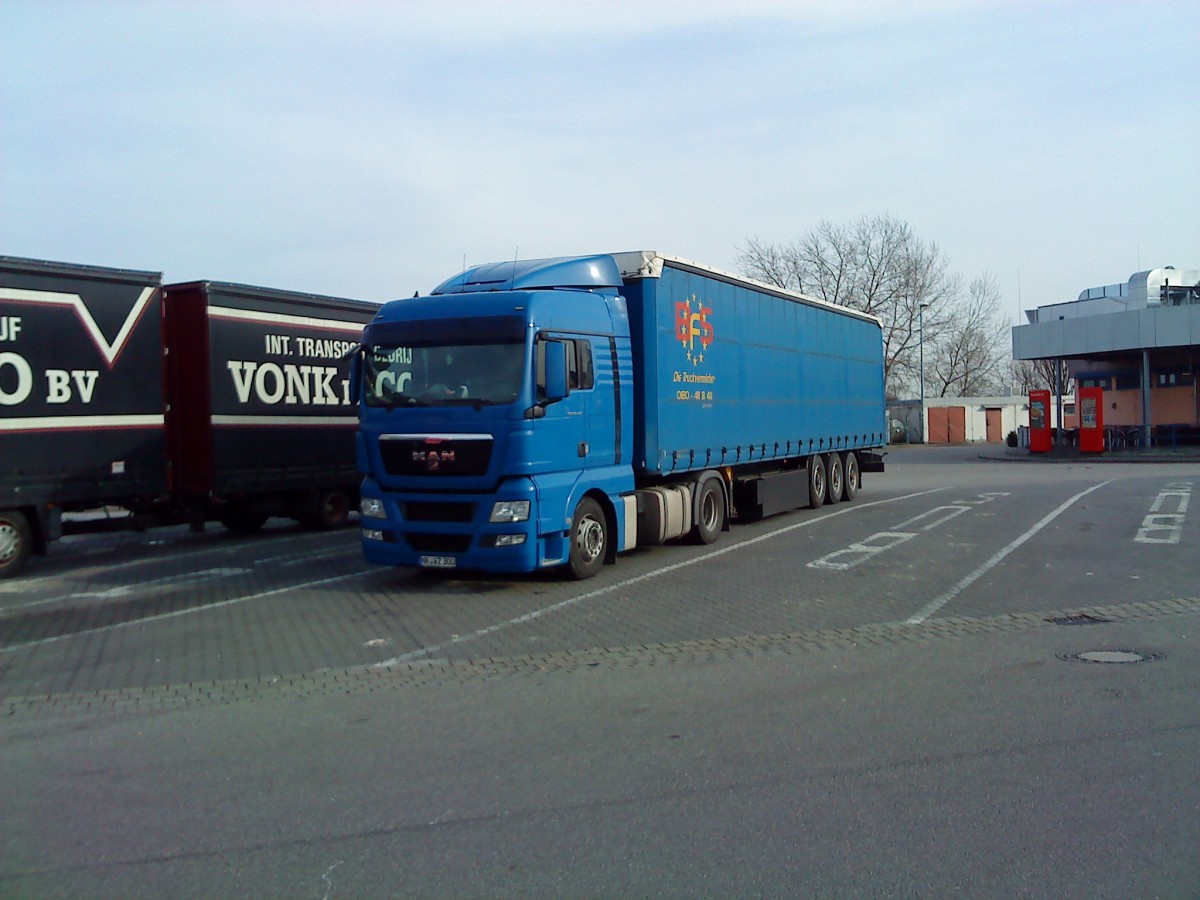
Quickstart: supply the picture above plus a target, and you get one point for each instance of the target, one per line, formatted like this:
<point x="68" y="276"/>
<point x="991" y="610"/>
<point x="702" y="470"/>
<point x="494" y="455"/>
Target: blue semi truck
<point x="555" y="412"/>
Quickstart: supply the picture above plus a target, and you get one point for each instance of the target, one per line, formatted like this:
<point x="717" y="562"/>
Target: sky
<point x="370" y="149"/>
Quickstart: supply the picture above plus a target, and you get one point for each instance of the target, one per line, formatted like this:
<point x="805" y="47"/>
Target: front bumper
<point x="452" y="531"/>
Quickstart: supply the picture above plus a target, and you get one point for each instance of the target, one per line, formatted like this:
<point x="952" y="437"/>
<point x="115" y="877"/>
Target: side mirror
<point x="556" y="371"/>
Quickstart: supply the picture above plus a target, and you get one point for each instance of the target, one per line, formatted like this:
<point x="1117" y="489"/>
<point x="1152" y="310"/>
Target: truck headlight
<point x="510" y="511"/>
<point x="372" y="507"/>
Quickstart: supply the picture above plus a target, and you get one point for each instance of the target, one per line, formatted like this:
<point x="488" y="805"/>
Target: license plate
<point x="438" y="562"/>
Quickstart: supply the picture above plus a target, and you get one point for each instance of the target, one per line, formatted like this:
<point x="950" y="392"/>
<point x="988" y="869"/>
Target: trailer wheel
<point x="710" y="512"/>
<point x="816" y="481"/>
<point x="330" y="509"/>
<point x="244" y="521"/>
<point x="16" y="542"/>
<point x="589" y="540"/>
<point x="853" y="477"/>
<point x="834" y="477"/>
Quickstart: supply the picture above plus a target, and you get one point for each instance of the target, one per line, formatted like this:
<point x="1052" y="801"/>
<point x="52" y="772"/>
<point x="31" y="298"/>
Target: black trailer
<point x="81" y="396"/>
<point x="260" y="421"/>
<point x="175" y="403"/>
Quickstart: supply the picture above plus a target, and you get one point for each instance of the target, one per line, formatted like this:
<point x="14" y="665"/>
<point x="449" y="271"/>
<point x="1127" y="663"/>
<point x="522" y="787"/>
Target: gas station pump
<point x="1040" y="438"/>
<point x="1091" y="419"/>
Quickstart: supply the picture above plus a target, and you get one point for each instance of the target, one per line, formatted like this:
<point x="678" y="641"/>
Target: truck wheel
<point x="16" y="542"/>
<point x="710" y="512"/>
<point x="330" y="509"/>
<point x="834" y="477"/>
<point x="589" y="539"/>
<point x="816" y="481"/>
<point x="853" y="476"/>
<point x="244" y="521"/>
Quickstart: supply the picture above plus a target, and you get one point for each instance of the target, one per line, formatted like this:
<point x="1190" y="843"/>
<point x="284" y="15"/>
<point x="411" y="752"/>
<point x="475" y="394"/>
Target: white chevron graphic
<point x="110" y="351"/>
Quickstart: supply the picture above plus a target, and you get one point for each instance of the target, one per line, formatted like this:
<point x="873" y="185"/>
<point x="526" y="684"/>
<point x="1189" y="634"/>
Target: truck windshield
<point x="470" y="374"/>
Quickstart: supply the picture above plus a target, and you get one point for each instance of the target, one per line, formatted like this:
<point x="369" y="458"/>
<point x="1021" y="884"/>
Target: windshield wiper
<point x="405" y="400"/>
<point x="399" y="401"/>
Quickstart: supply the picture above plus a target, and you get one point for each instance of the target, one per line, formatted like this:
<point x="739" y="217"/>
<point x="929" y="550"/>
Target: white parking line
<point x="861" y="551"/>
<point x="483" y="631"/>
<point x="954" y="508"/>
<point x="930" y="608"/>
<point x="233" y="601"/>
<point x="151" y="557"/>
<point x="1160" y="527"/>
<point x="124" y="590"/>
<point x="283" y="561"/>
<point x="621" y="585"/>
<point x="950" y="512"/>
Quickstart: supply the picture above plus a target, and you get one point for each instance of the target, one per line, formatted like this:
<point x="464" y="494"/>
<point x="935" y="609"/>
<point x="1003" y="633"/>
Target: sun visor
<point x="580" y="272"/>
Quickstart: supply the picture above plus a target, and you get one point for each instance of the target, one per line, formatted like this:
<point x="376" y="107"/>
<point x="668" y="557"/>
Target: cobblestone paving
<point x="172" y="619"/>
<point x="434" y="672"/>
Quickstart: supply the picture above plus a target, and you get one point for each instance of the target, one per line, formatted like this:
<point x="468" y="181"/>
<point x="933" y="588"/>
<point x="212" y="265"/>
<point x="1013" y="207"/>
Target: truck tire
<point x="589" y="540"/>
<point x="710" y="512"/>
<point x="834" y="478"/>
<point x="244" y="521"/>
<point x="852" y="477"/>
<point x="330" y="509"/>
<point x="816" y="481"/>
<point x="16" y="542"/>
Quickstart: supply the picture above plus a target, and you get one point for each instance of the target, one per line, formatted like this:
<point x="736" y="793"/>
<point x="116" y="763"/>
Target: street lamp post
<point x="921" y="351"/>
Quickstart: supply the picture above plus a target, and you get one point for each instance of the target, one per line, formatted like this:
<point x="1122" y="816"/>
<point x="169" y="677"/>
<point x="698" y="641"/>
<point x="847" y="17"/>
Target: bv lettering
<point x="59" y="381"/>
<point x="62" y="386"/>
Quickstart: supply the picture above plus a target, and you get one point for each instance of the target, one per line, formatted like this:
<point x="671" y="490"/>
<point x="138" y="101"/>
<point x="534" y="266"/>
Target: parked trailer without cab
<point x="177" y="403"/>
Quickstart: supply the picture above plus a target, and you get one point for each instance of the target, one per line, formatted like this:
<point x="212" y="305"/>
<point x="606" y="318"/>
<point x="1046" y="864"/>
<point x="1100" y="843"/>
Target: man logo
<point x="433" y="459"/>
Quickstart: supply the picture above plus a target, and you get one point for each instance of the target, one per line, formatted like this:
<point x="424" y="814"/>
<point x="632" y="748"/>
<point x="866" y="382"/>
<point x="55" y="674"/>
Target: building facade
<point x="961" y="420"/>
<point x="1139" y="341"/>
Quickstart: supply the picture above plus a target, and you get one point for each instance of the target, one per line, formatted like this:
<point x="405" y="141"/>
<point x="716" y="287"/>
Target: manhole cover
<point x="1110" y="656"/>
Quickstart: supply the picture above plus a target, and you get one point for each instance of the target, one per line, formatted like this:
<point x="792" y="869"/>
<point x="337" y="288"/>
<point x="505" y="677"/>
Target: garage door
<point x="947" y="425"/>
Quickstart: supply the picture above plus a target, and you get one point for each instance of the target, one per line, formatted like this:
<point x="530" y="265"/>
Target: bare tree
<point x="1034" y="374"/>
<point x="970" y="355"/>
<point x="875" y="265"/>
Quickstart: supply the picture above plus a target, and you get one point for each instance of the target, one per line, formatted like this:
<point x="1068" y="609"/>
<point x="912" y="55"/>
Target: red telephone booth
<point x="1091" y="419"/>
<point x="1040" y="438"/>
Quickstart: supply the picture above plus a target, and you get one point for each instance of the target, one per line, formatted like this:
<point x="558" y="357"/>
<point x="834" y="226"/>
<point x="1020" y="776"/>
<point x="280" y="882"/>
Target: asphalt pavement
<point x="983" y="765"/>
<point x="978" y="679"/>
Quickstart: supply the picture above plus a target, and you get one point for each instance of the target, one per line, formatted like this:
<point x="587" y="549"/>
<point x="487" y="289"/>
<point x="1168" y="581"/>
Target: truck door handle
<point x="583" y="448"/>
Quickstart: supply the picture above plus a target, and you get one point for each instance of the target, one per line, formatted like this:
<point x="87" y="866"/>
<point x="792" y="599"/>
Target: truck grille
<point x="439" y="543"/>
<point x="420" y="511"/>
<point x="404" y="455"/>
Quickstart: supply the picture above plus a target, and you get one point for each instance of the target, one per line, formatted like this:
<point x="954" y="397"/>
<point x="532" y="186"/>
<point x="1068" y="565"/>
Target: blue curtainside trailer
<point x="554" y="412"/>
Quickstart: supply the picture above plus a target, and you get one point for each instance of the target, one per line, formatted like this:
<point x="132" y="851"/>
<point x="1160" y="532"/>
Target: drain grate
<point x="1080" y="619"/>
<point x="1110" y="656"/>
